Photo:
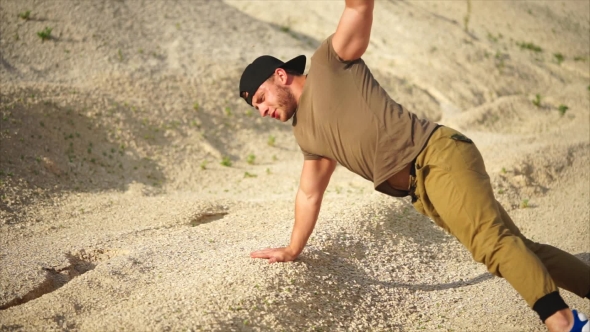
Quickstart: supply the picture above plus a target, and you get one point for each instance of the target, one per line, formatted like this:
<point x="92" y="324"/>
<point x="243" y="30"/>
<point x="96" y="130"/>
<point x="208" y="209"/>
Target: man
<point x="341" y="114"/>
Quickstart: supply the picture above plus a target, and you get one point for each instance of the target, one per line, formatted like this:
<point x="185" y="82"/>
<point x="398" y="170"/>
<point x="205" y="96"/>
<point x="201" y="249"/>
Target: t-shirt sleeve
<point x="310" y="156"/>
<point x="325" y="55"/>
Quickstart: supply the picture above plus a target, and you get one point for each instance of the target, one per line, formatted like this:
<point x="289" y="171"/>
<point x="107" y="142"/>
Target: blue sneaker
<point x="581" y="323"/>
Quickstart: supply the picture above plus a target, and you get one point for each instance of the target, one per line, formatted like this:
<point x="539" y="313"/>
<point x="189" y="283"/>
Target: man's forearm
<point x="307" y="210"/>
<point x="360" y="4"/>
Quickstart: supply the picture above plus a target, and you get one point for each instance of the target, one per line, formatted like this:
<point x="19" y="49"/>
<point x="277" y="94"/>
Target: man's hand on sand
<point x="275" y="254"/>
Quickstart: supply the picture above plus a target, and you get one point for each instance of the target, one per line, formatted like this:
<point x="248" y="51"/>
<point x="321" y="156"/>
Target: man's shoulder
<point x="326" y="55"/>
<point x="325" y="45"/>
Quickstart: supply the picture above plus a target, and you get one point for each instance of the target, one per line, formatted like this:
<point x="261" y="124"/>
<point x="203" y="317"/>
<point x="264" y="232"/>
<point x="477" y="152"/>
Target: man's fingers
<point x="272" y="254"/>
<point x="264" y="253"/>
<point x="259" y="254"/>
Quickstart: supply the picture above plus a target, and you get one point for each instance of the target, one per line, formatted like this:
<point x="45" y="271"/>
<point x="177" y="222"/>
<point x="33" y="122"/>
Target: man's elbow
<point x="311" y="197"/>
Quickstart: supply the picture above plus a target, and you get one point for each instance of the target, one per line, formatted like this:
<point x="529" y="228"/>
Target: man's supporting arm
<point x="315" y="177"/>
<point x="354" y="29"/>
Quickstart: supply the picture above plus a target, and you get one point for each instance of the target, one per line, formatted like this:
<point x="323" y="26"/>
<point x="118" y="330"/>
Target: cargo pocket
<point x="471" y="156"/>
<point x="462" y="138"/>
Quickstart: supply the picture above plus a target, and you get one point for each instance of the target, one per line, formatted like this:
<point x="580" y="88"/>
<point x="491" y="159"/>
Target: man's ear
<point x="282" y="76"/>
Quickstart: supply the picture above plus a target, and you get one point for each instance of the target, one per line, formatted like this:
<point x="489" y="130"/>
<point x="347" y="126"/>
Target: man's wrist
<point x="293" y="251"/>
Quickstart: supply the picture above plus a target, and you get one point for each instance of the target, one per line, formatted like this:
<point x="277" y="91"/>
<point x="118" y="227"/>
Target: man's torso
<point x="345" y="115"/>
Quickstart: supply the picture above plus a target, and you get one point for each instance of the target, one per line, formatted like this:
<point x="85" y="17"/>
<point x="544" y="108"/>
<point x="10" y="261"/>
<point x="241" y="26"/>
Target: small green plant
<point x="249" y="175"/>
<point x="562" y="109"/>
<point x="503" y="170"/>
<point x="196" y="106"/>
<point x="250" y="159"/>
<point x="524" y="204"/>
<point x="45" y="34"/>
<point x="467" y="16"/>
<point x="559" y="58"/>
<point x="537" y="100"/>
<point x="530" y="46"/>
<point x="580" y="58"/>
<point x="120" y="55"/>
<point x="271" y="140"/>
<point x="285" y="29"/>
<point x="268" y="171"/>
<point x="492" y="38"/>
<point x="25" y="15"/>
<point x="226" y="162"/>
<point x="500" y="60"/>
<point x="228" y="111"/>
<point x="204" y="165"/>
<point x="500" y="191"/>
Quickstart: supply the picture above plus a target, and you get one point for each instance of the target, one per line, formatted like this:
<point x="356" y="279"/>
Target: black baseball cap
<point x="261" y="69"/>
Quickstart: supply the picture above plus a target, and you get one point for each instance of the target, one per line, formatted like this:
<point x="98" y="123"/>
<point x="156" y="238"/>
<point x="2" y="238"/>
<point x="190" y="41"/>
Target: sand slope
<point x="116" y="213"/>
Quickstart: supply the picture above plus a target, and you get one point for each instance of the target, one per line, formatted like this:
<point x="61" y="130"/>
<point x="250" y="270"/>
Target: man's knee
<point x="531" y="245"/>
<point x="495" y="250"/>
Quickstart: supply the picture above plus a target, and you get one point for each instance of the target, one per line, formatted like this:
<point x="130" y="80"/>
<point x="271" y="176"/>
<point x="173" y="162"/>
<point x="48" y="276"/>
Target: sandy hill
<point x="134" y="182"/>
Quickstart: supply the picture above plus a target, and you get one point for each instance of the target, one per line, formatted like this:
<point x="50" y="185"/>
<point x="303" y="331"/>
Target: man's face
<point x="275" y="99"/>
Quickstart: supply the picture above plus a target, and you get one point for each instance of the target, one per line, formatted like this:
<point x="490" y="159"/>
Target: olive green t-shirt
<point x="345" y="115"/>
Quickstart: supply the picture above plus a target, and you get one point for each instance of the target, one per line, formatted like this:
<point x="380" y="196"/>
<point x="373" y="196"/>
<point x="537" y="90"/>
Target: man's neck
<point x="297" y="86"/>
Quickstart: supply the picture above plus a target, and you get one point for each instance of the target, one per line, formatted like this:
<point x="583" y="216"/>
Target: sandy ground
<point x="117" y="213"/>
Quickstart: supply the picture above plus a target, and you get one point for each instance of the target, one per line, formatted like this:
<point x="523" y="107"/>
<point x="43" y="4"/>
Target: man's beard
<point x="286" y="101"/>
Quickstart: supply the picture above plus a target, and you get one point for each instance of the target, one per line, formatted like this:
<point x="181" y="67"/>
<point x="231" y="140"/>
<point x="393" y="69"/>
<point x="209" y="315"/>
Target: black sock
<point x="548" y="305"/>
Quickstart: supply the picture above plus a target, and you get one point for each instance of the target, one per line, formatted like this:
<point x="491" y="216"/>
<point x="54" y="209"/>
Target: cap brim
<point x="297" y="64"/>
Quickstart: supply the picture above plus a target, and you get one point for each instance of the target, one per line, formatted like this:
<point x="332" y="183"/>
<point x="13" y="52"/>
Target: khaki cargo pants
<point x="451" y="187"/>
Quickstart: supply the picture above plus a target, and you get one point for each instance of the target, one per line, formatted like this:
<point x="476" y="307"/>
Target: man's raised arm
<point x="354" y="30"/>
<point x="315" y="177"/>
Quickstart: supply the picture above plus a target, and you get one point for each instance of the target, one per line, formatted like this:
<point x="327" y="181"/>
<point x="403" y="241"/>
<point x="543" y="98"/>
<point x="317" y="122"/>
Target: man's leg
<point x="453" y="189"/>
<point x="467" y="210"/>
<point x="567" y="271"/>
